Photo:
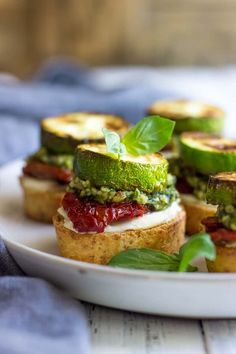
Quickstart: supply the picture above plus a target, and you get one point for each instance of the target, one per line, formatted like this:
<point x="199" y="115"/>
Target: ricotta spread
<point x="41" y="184"/>
<point x="146" y="221"/>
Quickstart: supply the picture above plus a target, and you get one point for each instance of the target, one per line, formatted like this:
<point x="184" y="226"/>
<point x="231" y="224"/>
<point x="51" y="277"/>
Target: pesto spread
<point x="199" y="184"/>
<point x="157" y="200"/>
<point x="63" y="161"/>
<point x="195" y="179"/>
<point x="227" y="215"/>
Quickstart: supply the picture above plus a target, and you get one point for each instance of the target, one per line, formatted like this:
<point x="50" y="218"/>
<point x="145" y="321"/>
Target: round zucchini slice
<point x="190" y="115"/>
<point x="221" y="188"/>
<point x="147" y="173"/>
<point x="62" y="134"/>
<point x="208" y="154"/>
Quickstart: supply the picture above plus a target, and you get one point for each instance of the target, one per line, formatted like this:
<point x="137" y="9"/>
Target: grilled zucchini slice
<point x="60" y="135"/>
<point x="190" y="115"/>
<point x="148" y="173"/>
<point x="221" y="188"/>
<point x="208" y="154"/>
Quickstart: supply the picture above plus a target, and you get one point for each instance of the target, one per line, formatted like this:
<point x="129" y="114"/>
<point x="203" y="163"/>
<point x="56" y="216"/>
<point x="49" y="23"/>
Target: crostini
<point x="221" y="191"/>
<point x="201" y="155"/>
<point x="117" y="203"/>
<point x="48" y="171"/>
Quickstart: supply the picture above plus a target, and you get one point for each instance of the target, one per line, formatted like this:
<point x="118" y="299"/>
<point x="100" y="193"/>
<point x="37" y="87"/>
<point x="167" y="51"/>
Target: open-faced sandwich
<point x="201" y="155"/>
<point x="47" y="172"/>
<point x="121" y="197"/>
<point x="221" y="191"/>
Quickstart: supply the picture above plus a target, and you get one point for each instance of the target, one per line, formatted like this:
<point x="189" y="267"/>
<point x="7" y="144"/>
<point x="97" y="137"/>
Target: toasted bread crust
<point x="42" y="205"/>
<point x="225" y="260"/>
<point x="101" y="247"/>
<point x="196" y="211"/>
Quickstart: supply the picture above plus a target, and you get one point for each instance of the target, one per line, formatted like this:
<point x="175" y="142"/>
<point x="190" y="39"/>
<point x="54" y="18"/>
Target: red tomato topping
<point x="45" y="171"/>
<point x="217" y="230"/>
<point x="223" y="234"/>
<point x="212" y="224"/>
<point x="88" y="216"/>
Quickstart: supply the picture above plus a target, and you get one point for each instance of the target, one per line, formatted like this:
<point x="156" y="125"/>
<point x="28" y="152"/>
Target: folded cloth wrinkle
<point x="37" y="318"/>
<point x="7" y="264"/>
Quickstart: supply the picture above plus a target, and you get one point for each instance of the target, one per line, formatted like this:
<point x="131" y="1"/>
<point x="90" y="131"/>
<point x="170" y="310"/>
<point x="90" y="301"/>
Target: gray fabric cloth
<point x="7" y="264"/>
<point x="37" y="318"/>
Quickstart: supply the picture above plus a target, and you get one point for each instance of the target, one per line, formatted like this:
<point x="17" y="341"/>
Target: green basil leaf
<point x="150" y="135"/>
<point x="113" y="143"/>
<point x="199" y="245"/>
<point x="146" y="259"/>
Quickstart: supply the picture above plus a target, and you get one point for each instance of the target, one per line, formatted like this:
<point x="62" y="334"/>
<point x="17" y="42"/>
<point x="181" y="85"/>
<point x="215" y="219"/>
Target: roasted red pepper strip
<point x="217" y="230"/>
<point x="89" y="216"/>
<point x="45" y="171"/>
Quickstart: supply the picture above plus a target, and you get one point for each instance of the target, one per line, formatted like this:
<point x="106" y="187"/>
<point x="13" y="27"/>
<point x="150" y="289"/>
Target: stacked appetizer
<point x="201" y="155"/>
<point x="47" y="172"/>
<point x="221" y="191"/>
<point x="190" y="115"/>
<point x="121" y="197"/>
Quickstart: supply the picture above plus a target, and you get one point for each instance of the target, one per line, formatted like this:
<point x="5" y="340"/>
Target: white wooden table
<point x="121" y="332"/>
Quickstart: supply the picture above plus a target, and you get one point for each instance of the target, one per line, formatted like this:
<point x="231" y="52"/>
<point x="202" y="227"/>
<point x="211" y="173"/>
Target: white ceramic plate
<point x="33" y="245"/>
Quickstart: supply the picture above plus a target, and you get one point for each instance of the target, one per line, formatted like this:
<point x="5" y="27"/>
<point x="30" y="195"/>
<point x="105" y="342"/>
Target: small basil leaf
<point x="146" y="259"/>
<point x="113" y="143"/>
<point x="150" y="135"/>
<point x="199" y="245"/>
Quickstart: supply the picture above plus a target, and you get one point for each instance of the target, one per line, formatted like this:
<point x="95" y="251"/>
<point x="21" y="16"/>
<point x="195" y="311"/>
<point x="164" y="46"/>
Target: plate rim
<point x="142" y="274"/>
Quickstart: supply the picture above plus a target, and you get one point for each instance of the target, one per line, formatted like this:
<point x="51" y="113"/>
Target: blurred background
<point x="105" y="32"/>
<point x="110" y="56"/>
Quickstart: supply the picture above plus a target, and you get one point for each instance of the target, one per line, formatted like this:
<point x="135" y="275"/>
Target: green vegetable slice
<point x="190" y="115"/>
<point x="147" y="173"/>
<point x="62" y="134"/>
<point x="221" y="188"/>
<point x="208" y="153"/>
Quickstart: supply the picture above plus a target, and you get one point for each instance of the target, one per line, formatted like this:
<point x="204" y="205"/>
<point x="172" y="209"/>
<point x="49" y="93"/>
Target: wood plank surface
<point x="220" y="336"/>
<point x="121" y="332"/>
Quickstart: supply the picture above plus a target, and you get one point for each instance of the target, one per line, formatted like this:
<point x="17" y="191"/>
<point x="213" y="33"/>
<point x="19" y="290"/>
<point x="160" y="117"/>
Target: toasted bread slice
<point x="41" y="198"/>
<point x="225" y="260"/>
<point x="101" y="247"/>
<point x="196" y="211"/>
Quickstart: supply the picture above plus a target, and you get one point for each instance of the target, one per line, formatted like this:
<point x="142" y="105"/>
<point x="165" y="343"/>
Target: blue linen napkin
<point x="37" y="318"/>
